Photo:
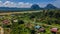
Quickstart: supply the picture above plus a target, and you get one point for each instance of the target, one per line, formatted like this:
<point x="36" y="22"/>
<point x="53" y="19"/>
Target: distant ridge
<point x="13" y="8"/>
<point x="33" y="7"/>
<point x="50" y="6"/>
<point x="36" y="7"/>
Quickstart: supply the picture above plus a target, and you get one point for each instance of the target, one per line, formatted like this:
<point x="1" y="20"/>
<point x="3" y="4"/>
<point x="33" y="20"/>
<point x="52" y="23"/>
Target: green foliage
<point x="51" y="17"/>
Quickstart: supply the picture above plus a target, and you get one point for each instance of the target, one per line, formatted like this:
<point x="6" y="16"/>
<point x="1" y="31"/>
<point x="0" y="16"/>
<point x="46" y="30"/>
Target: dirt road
<point x="8" y="13"/>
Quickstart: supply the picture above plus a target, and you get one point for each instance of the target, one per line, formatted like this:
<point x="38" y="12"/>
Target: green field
<point x="46" y="18"/>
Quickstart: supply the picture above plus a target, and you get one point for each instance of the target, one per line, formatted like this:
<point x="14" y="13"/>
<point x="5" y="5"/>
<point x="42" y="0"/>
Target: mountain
<point x="50" y="6"/>
<point x="33" y="7"/>
<point x="21" y="9"/>
<point x="13" y="8"/>
<point x="36" y="7"/>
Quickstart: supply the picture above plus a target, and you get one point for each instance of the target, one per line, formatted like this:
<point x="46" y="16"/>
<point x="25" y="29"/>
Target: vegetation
<point x="46" y="17"/>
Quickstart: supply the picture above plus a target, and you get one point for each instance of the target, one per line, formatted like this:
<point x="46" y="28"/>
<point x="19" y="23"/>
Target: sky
<point x="28" y="3"/>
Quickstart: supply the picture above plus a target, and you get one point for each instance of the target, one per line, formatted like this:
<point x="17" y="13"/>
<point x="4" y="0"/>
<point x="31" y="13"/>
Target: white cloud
<point x="42" y="4"/>
<point x="1" y="3"/>
<point x="9" y="4"/>
<point x="26" y="5"/>
<point x="13" y="4"/>
<point x="56" y="3"/>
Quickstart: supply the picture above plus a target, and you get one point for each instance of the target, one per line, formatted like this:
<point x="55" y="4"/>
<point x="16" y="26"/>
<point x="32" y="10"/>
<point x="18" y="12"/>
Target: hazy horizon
<point x="28" y="3"/>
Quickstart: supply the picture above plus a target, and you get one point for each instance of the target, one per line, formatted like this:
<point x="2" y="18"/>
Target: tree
<point x="20" y="22"/>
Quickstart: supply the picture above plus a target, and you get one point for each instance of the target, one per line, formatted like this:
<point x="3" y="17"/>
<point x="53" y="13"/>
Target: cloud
<point x="56" y="3"/>
<point x="9" y="4"/>
<point x="42" y="4"/>
<point x="24" y="5"/>
<point x="27" y="5"/>
<point x="1" y="3"/>
<point x="13" y="4"/>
